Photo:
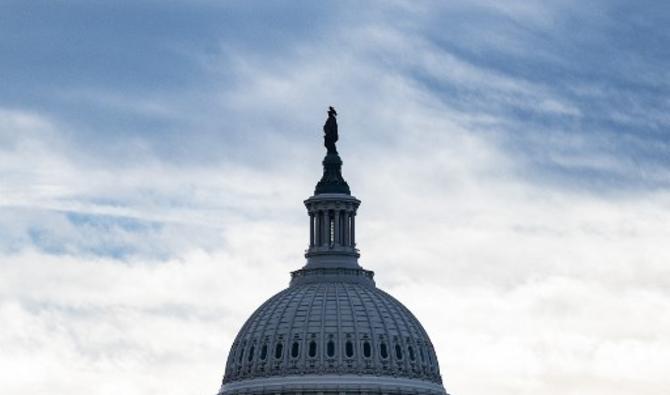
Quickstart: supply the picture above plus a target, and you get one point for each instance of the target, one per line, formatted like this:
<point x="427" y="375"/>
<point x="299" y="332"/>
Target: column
<point x="331" y="227"/>
<point x="340" y="220"/>
<point x="325" y="228"/>
<point x="353" y="229"/>
<point x="319" y="226"/>
<point x="348" y="235"/>
<point x="311" y="229"/>
<point x="345" y="227"/>
<point x="336" y="224"/>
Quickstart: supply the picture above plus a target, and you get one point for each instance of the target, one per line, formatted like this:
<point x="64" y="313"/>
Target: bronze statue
<point x="330" y="131"/>
<point x="332" y="181"/>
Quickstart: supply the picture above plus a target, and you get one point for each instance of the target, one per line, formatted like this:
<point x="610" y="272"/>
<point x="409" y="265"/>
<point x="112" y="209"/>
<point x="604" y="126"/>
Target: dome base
<point x="333" y="384"/>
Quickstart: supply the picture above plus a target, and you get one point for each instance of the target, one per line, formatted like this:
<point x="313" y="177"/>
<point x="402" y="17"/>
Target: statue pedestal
<point x="332" y="180"/>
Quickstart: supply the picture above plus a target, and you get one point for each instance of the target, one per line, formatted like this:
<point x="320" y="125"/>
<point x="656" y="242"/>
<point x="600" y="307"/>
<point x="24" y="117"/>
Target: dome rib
<point x="402" y="339"/>
<point x="322" y="333"/>
<point x="357" y="335"/>
<point x="306" y="329"/>
<point x="373" y="342"/>
<point x="376" y="351"/>
<point x="275" y="302"/>
<point x="291" y="334"/>
<point x="282" y="366"/>
<point x="435" y="366"/>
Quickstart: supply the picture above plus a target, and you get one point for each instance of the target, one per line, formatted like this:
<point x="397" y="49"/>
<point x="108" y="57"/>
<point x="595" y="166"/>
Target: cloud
<point x="501" y="174"/>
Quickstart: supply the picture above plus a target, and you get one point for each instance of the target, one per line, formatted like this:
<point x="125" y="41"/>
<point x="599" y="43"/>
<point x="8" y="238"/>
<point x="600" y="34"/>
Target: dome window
<point x="241" y="356"/>
<point x="312" y="349"/>
<point x="412" y="357"/>
<point x="367" y="349"/>
<point x="295" y="350"/>
<point x="383" y="350"/>
<point x="279" y="349"/>
<point x="264" y="352"/>
<point x="330" y="348"/>
<point x="398" y="351"/>
<point x="349" y="349"/>
<point x="251" y="354"/>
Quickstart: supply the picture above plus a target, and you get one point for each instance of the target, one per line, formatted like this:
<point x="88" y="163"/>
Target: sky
<point x="512" y="159"/>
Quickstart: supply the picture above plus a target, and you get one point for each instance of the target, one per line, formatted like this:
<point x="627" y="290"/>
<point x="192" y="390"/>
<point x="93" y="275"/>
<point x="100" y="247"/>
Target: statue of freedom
<point x="330" y="131"/>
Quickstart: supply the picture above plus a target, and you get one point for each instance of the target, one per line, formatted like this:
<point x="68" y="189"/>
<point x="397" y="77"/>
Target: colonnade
<point x="332" y="227"/>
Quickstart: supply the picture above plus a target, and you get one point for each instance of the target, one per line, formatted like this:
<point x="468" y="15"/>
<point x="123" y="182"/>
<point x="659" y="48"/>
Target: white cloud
<point x="533" y="283"/>
<point x="540" y="289"/>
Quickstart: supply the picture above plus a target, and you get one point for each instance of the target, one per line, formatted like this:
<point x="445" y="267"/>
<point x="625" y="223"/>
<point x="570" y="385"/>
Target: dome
<point x="341" y="328"/>
<point x="332" y="331"/>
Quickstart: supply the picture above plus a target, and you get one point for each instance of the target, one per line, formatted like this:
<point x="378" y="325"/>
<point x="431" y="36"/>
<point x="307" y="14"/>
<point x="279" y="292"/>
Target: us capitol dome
<point x="332" y="331"/>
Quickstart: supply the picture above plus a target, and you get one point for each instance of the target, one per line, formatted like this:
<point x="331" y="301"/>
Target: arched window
<point x="295" y="350"/>
<point x="312" y="349"/>
<point x="251" y="354"/>
<point x="367" y="349"/>
<point x="383" y="350"/>
<point x="398" y="351"/>
<point x="349" y="349"/>
<point x="330" y="348"/>
<point x="279" y="349"/>
<point x="411" y="353"/>
<point x="264" y="352"/>
<point x="423" y="358"/>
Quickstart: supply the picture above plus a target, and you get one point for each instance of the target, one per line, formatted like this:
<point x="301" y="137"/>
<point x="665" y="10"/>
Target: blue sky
<point x="153" y="73"/>
<point x="154" y="157"/>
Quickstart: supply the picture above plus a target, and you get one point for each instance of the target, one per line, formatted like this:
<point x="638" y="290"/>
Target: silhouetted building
<point x="332" y="331"/>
